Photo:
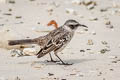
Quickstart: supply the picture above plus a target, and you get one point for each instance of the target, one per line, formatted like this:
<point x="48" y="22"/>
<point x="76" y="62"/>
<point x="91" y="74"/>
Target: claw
<point x="65" y="63"/>
<point x="52" y="61"/>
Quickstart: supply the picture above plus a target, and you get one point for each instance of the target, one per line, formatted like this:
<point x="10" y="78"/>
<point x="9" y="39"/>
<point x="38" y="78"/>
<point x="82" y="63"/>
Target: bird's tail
<point x="23" y="41"/>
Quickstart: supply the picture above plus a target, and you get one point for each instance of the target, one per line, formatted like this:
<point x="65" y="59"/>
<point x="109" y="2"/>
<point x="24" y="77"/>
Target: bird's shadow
<point x="74" y="61"/>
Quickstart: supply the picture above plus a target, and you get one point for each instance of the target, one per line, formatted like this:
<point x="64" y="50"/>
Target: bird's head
<point x="73" y="24"/>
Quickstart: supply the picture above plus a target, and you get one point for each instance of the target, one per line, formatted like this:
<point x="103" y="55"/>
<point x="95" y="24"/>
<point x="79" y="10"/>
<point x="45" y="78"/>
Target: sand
<point x="95" y="53"/>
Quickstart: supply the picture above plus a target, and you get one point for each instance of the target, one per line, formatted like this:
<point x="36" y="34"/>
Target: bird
<point x="55" y="41"/>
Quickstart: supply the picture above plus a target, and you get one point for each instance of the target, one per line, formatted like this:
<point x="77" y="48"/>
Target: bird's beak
<point x="83" y="25"/>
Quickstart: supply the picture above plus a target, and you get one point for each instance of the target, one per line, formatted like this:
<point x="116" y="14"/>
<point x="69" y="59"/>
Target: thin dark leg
<point x="51" y="59"/>
<point x="62" y="60"/>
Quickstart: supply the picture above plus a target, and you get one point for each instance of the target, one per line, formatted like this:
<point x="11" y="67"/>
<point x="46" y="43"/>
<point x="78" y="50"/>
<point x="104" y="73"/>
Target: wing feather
<point x="56" y="42"/>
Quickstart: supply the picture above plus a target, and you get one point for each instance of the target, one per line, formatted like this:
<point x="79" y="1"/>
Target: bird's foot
<point x="65" y="63"/>
<point x="52" y="61"/>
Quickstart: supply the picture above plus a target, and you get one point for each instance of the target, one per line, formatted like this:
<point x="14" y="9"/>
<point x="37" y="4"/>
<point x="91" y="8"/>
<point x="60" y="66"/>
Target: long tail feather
<point x="17" y="42"/>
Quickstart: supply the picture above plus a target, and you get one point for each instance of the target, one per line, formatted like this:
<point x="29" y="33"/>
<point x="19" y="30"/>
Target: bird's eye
<point x="71" y="26"/>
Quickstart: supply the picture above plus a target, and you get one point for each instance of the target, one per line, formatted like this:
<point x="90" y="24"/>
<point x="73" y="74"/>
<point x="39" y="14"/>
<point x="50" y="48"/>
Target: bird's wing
<point x="54" y="43"/>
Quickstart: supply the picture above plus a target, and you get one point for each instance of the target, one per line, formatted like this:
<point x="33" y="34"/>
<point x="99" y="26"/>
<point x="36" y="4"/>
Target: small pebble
<point x="12" y="1"/>
<point x="32" y="0"/>
<point x="108" y="24"/>
<point x="71" y="11"/>
<point x="90" y="6"/>
<point x="50" y="74"/>
<point x="17" y="78"/>
<point x="7" y="30"/>
<point x="78" y="2"/>
<point x="118" y="60"/>
<point x="93" y="33"/>
<point x="85" y="29"/>
<point x="80" y="75"/>
<point x="112" y="57"/>
<point x="93" y="18"/>
<point x="50" y="9"/>
<point x="90" y="42"/>
<point x="73" y="74"/>
<point x="2" y="24"/>
<point x="29" y="51"/>
<point x="15" y="52"/>
<point x="8" y="14"/>
<point x="88" y="49"/>
<point x="87" y="2"/>
<point x="91" y="52"/>
<point x="111" y="69"/>
<point x="114" y="61"/>
<point x="103" y="9"/>
<point x="10" y="9"/>
<point x="100" y="73"/>
<point x="18" y="17"/>
<point x="104" y="42"/>
<point x="38" y="23"/>
<point x="102" y="51"/>
<point x="82" y="50"/>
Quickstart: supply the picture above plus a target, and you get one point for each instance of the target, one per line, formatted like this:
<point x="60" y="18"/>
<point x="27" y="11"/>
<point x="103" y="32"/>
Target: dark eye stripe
<point x="71" y="26"/>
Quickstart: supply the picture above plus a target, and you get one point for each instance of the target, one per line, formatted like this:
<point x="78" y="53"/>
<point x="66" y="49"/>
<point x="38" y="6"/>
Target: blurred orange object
<point x="54" y="23"/>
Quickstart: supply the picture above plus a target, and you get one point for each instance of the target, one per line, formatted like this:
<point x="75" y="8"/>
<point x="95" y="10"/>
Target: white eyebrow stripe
<point x="73" y="23"/>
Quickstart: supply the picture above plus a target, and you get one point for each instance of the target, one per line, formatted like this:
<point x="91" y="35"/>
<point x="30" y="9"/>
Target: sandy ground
<point x="28" y="18"/>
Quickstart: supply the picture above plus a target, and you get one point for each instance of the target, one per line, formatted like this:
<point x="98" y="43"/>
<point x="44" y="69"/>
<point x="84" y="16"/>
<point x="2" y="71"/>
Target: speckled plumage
<point x="54" y="41"/>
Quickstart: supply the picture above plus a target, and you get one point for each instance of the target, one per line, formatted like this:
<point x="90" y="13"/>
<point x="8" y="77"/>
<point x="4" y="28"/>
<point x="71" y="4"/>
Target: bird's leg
<point x="63" y="63"/>
<point x="51" y="59"/>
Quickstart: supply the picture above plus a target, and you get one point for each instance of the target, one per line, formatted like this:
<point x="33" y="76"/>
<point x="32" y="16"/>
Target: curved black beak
<point x="83" y="25"/>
